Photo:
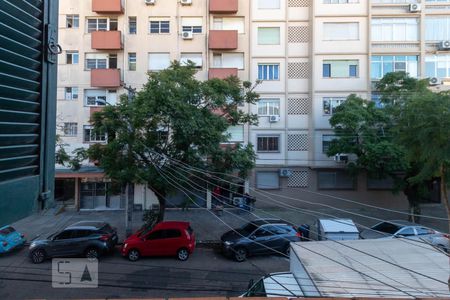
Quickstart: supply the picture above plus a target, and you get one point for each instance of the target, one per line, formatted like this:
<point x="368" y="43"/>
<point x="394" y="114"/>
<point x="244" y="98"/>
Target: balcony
<point x="106" y="40"/>
<point x="107" y="6"/>
<point x="223" y="6"/>
<point x="95" y="109"/>
<point x="105" y="78"/>
<point x="223" y="39"/>
<point x="222" y="73"/>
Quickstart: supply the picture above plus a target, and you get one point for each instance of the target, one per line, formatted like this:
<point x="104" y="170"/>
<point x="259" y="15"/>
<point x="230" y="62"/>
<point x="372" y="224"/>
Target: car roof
<point x="402" y="222"/>
<point x="260" y="222"/>
<point x="172" y="224"/>
<point x="87" y="225"/>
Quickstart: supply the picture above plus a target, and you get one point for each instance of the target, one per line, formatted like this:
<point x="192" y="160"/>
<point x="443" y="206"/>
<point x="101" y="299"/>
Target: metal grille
<point x="298" y="106"/>
<point x="298" y="3"/>
<point x="297" y="142"/>
<point x="298" y="34"/>
<point x="298" y="70"/>
<point x="298" y="179"/>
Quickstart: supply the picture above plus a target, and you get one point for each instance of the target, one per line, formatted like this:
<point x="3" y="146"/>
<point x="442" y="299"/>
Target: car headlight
<point x="125" y="246"/>
<point x="228" y="243"/>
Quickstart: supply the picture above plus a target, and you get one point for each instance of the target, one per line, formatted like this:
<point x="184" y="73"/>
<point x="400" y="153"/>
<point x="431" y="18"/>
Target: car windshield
<point x="7" y="230"/>
<point x="53" y="235"/>
<point x="386" y="227"/>
<point x="249" y="228"/>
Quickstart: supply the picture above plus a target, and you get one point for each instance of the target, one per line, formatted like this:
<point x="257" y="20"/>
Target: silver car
<point x="409" y="230"/>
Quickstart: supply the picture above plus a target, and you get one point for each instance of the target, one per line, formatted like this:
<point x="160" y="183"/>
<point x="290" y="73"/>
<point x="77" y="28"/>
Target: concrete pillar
<point x="208" y="198"/>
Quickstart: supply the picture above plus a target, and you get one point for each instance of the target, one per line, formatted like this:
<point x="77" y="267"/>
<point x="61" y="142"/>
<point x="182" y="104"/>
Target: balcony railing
<point x="222" y="73"/>
<point x="107" y="6"/>
<point x="106" y="40"/>
<point x="105" y="78"/>
<point x="223" y="6"/>
<point x="223" y="39"/>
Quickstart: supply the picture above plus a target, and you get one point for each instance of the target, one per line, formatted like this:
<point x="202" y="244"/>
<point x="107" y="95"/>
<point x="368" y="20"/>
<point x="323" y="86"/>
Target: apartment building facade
<point x="309" y="56"/>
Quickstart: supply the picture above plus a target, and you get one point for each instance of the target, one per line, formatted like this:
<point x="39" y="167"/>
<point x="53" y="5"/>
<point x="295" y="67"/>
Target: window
<point x="192" y="24"/>
<point x="155" y="235"/>
<point x="267" y="180"/>
<point x="72" y="57"/>
<point x="337" y="180"/>
<point x="193" y="29"/>
<point x="66" y="234"/>
<point x="90" y="135"/>
<point x="268" y="35"/>
<point x="196" y="58"/>
<point x="437" y="66"/>
<point x="95" y="97"/>
<point x="437" y="28"/>
<point x="268" y="144"/>
<point x="340" y="68"/>
<point x="330" y="103"/>
<point x="380" y="184"/>
<point x="341" y="31"/>
<point x="268" y="71"/>
<point x="236" y="23"/>
<point x="132" y="61"/>
<point x="424" y="230"/>
<point x="132" y="25"/>
<point x="96" y="61"/>
<point x="381" y="65"/>
<point x="235" y="133"/>
<point x="98" y="24"/>
<point x="395" y="29"/>
<point x="263" y="232"/>
<point x="70" y="129"/>
<point x="171" y="233"/>
<point x="341" y="1"/>
<point x="326" y="141"/>
<point x="72" y="21"/>
<point x="268" y="107"/>
<point x="408" y="231"/>
<point x="159" y="26"/>
<point x="268" y="4"/>
<point x="158" y="61"/>
<point x="70" y="93"/>
<point x="112" y="61"/>
<point x="386" y="227"/>
<point x="228" y="60"/>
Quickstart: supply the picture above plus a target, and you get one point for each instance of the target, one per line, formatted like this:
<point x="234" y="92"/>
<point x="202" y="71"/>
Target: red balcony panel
<point x="223" y="6"/>
<point x="107" y="6"/>
<point x="223" y="39"/>
<point x="106" y="40"/>
<point x="106" y="78"/>
<point x="94" y="109"/>
<point x="222" y="73"/>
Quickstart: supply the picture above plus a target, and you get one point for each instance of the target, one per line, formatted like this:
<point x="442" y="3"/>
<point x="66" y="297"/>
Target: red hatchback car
<point x="170" y="238"/>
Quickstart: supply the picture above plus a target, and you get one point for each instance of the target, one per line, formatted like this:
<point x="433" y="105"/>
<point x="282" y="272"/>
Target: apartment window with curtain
<point x="326" y="141"/>
<point x="437" y="66"/>
<point x="229" y="60"/>
<point x="341" y="31"/>
<point x="132" y="25"/>
<point x="340" y="68"/>
<point x="159" y="26"/>
<point x="192" y="24"/>
<point x="341" y="1"/>
<point x="236" y="23"/>
<point x="72" y="57"/>
<point x="132" y="61"/>
<point x="95" y="97"/>
<point x="381" y="65"/>
<point x="437" y="28"/>
<point x="196" y="58"/>
<point x="268" y="35"/>
<point x="235" y="134"/>
<point x="268" y="4"/>
<point x="268" y="72"/>
<point x="395" y="29"/>
<point x="330" y="104"/>
<point x="71" y="93"/>
<point x="268" y="143"/>
<point x="70" y="129"/>
<point x="72" y="21"/>
<point x="91" y="136"/>
<point x="101" y="24"/>
<point x="268" y="107"/>
<point x="96" y="61"/>
<point x="158" y="61"/>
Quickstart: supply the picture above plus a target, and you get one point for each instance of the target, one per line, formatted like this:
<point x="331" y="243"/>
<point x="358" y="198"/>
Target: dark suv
<point x="87" y="238"/>
<point x="264" y="236"/>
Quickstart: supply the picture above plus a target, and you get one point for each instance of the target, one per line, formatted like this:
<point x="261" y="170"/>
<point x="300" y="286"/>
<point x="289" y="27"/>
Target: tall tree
<point x="177" y="116"/>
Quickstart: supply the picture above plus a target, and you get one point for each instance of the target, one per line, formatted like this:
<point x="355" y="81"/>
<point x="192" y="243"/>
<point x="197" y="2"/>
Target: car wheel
<point x="240" y="254"/>
<point x="92" y="253"/>
<point x="38" y="256"/>
<point x="133" y="255"/>
<point x="183" y="254"/>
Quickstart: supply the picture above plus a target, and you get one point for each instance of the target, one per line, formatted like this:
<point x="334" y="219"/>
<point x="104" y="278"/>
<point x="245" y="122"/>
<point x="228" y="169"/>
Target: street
<point x="206" y="273"/>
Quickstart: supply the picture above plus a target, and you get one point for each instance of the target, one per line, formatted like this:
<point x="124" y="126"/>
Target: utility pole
<point x="129" y="197"/>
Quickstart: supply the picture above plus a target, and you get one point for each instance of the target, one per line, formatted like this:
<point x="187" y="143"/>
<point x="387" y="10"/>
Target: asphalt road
<point x="206" y="273"/>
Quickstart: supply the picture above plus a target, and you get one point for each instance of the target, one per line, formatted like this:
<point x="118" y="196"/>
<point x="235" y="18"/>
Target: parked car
<point x="171" y="238"/>
<point x="334" y="229"/>
<point x="264" y="236"/>
<point x="87" y="238"/>
<point x="400" y="228"/>
<point x="10" y="239"/>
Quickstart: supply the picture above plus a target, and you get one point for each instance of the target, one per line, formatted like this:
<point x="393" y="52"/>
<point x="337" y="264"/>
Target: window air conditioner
<point x="150" y="2"/>
<point x="415" y="7"/>
<point x="444" y="45"/>
<point x="274" y="118"/>
<point x="187" y="35"/>
<point x="285" y="172"/>
<point x="434" y="81"/>
<point x="341" y="158"/>
<point x="186" y="2"/>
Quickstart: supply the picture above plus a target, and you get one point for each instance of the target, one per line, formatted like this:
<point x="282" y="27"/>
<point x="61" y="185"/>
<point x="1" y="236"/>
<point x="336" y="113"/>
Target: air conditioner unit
<point x="285" y="172"/>
<point x="186" y="2"/>
<point x="414" y="7"/>
<point x="444" y="45"/>
<point x="150" y="2"/>
<point x="187" y="35"/>
<point x="434" y="81"/>
<point x="274" y="118"/>
<point x="341" y="158"/>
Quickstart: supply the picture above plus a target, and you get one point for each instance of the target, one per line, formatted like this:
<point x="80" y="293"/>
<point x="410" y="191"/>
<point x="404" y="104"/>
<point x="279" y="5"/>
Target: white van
<point x="334" y="229"/>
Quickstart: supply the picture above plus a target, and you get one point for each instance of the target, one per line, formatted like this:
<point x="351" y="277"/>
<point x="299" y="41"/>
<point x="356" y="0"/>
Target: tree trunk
<point x="412" y="194"/>
<point x="444" y="195"/>
<point x="162" y="208"/>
